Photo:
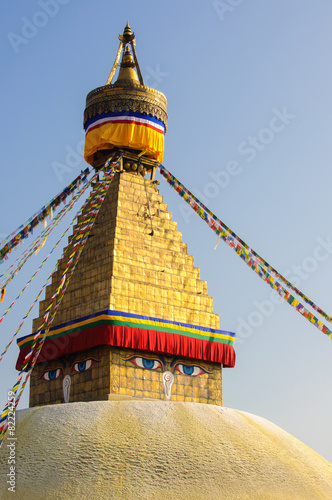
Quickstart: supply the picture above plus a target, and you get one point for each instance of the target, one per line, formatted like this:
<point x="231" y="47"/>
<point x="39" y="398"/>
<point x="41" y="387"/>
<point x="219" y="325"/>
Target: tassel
<point x="218" y="240"/>
<point x="3" y="291"/>
<point x="40" y="246"/>
<point x="51" y="213"/>
<point x="45" y="222"/>
<point x="62" y="282"/>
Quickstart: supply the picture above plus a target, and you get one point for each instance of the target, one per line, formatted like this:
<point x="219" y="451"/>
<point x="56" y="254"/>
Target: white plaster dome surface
<point x="159" y="450"/>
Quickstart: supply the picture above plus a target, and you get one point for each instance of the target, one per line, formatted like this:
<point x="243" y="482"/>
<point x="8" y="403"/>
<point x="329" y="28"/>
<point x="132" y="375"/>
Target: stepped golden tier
<point x="136" y="320"/>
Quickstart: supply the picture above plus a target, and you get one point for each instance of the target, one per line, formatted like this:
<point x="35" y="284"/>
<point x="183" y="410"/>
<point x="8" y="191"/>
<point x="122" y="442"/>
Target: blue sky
<point x="249" y="131"/>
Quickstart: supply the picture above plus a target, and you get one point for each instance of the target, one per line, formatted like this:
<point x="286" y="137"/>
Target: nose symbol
<point x="66" y="388"/>
<point x="168" y="379"/>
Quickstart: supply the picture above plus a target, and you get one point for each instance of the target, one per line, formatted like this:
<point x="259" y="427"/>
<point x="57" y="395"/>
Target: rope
<point x="41" y="240"/>
<point x="148" y="204"/>
<point x="25" y="229"/>
<point x="48" y="279"/>
<point x="253" y="259"/>
<point x="94" y="203"/>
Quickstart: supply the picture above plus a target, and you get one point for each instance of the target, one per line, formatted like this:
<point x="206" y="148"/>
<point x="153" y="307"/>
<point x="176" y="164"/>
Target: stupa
<point x="126" y="396"/>
<point x="136" y="320"/>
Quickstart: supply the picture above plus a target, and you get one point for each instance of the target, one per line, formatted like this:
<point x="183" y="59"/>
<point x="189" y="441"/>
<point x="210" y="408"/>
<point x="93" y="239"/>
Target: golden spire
<point x="127" y="95"/>
<point x="127" y="38"/>
<point x="128" y="35"/>
<point x="127" y="71"/>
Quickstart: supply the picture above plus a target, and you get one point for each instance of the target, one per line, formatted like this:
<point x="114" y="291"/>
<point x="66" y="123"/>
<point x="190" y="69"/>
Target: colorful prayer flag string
<point x="41" y="265"/>
<point x="25" y="229"/>
<point x="40" y="241"/>
<point x="77" y="244"/>
<point x="254" y="260"/>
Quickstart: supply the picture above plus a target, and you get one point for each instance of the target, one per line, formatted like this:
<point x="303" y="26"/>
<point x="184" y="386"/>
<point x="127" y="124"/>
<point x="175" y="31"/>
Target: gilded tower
<point x="136" y="320"/>
<point x="135" y="323"/>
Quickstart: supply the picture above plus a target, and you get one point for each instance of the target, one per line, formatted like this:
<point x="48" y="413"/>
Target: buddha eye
<point x="147" y="363"/>
<point x="83" y="366"/>
<point x="191" y="370"/>
<point x="51" y="374"/>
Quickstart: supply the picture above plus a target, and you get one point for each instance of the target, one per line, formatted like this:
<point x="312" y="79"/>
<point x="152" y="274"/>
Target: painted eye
<point x="51" y="374"/>
<point x="191" y="370"/>
<point x="149" y="364"/>
<point x="82" y="366"/>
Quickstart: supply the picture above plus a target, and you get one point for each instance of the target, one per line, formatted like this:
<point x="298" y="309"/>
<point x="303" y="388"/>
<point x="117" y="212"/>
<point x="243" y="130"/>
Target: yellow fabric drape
<point x="130" y="135"/>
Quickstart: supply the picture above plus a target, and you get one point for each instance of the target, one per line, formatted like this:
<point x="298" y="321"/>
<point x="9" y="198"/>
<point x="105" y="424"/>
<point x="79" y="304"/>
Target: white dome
<point x="159" y="450"/>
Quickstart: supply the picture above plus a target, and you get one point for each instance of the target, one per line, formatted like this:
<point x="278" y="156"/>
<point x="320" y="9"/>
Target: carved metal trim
<point x="140" y="99"/>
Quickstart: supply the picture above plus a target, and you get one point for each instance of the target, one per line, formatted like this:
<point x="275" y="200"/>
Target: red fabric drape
<point x="134" y="338"/>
